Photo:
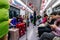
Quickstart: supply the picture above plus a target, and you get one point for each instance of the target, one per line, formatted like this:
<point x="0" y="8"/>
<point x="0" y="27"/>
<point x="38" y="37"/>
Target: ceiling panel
<point x="35" y="3"/>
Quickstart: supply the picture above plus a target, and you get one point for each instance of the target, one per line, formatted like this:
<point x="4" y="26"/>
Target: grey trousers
<point x="47" y="36"/>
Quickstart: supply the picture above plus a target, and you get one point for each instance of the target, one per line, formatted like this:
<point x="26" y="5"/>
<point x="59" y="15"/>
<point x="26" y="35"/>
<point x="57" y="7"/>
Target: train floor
<point x="31" y="33"/>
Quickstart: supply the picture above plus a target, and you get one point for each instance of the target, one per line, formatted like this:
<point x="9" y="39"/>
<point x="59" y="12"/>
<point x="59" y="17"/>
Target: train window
<point x="13" y="12"/>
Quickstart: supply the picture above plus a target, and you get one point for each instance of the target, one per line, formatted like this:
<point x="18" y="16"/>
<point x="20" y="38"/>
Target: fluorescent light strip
<point x="46" y="6"/>
<point x="17" y="3"/>
<point x="56" y="3"/>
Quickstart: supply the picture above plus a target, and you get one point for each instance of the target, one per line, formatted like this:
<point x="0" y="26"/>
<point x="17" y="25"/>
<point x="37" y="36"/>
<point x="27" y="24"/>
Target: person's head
<point x="20" y="16"/>
<point x="38" y="17"/>
<point x="58" y="13"/>
<point x="53" y="14"/>
<point x="45" y="15"/>
<point x="17" y="17"/>
<point x="14" y="17"/>
<point x="57" y="22"/>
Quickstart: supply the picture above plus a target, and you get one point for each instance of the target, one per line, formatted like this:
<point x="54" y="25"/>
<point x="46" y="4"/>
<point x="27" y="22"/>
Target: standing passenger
<point x="34" y="18"/>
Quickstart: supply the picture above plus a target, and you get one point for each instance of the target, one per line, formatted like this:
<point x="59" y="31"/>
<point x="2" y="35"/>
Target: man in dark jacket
<point x="34" y="18"/>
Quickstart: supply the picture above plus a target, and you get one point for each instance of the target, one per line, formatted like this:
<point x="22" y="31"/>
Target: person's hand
<point x="53" y="26"/>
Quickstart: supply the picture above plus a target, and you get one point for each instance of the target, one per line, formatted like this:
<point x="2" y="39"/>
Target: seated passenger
<point x="52" y="18"/>
<point x="21" y="19"/>
<point x="44" y="27"/>
<point x="55" y="32"/>
<point x="13" y="22"/>
<point x="44" y="20"/>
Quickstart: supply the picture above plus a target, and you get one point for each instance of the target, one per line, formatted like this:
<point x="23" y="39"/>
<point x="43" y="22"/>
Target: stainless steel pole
<point x="26" y="22"/>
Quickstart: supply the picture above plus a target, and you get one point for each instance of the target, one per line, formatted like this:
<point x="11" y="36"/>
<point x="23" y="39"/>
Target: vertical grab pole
<point x="26" y="22"/>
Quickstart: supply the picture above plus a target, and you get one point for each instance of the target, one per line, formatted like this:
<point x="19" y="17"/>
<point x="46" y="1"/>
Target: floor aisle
<point x="31" y="33"/>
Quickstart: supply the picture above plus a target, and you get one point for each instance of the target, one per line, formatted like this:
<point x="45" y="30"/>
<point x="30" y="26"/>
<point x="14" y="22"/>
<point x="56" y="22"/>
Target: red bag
<point x="22" y="28"/>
